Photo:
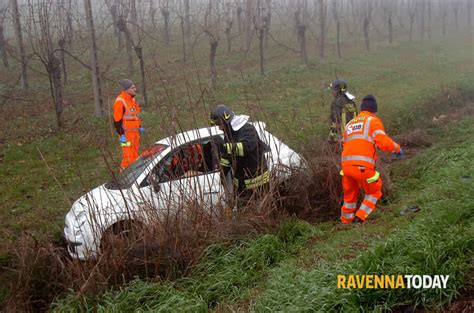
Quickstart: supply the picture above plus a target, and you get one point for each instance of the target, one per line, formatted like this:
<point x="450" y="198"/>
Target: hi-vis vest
<point x="131" y="121"/>
<point x="361" y="135"/>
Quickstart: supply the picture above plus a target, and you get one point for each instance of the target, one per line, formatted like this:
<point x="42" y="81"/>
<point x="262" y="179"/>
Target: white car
<point x="148" y="185"/>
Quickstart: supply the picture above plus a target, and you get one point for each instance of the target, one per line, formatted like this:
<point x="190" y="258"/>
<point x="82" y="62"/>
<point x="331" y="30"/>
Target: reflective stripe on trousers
<point x="254" y="182"/>
<point x="371" y="199"/>
<point x="348" y="211"/>
<point x="366" y="209"/>
<point x="350" y="205"/>
<point x="358" y="158"/>
<point x="347" y="215"/>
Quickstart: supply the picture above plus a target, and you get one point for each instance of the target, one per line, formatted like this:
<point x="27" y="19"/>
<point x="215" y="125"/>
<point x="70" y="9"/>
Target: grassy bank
<point x="296" y="268"/>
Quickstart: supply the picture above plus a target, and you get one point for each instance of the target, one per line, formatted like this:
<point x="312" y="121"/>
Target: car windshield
<point x="128" y="176"/>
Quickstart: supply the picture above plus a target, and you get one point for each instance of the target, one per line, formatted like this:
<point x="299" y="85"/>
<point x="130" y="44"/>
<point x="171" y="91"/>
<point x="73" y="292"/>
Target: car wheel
<point x="121" y="235"/>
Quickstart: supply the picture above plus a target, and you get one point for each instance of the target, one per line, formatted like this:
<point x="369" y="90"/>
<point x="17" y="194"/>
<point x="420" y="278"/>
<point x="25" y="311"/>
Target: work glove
<point x="141" y="129"/>
<point x="332" y="138"/>
<point x="399" y="154"/>
<point x="123" y="141"/>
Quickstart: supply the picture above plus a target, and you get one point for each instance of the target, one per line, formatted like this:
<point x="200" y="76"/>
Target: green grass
<point x="296" y="268"/>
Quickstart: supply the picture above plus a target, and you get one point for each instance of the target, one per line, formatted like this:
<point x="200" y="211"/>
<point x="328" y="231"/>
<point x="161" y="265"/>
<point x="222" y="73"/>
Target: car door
<point x="169" y="193"/>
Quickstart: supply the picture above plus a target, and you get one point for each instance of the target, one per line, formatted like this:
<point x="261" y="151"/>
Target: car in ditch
<point x="170" y="174"/>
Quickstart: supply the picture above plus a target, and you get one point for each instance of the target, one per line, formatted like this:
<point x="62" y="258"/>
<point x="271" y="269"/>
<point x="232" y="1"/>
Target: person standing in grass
<point x="362" y="135"/>
<point x="127" y="123"/>
<point x="343" y="109"/>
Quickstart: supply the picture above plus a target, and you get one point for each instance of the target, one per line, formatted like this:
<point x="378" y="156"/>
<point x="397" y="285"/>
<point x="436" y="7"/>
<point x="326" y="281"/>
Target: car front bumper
<point x="76" y="244"/>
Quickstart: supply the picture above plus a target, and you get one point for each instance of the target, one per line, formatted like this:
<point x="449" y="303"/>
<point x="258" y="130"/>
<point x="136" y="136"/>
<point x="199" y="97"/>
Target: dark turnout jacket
<point x="243" y="151"/>
<point x="342" y="111"/>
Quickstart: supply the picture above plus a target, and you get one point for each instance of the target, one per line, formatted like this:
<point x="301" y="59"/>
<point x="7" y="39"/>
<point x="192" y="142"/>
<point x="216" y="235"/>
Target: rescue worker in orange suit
<point x="362" y="135"/>
<point x="242" y="152"/>
<point x="127" y="123"/>
<point x="343" y="109"/>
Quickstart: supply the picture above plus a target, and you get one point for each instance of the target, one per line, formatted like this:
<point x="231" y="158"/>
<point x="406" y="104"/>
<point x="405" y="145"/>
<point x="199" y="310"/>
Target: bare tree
<point x="301" y="34"/>
<point x="54" y="69"/>
<point x="19" y="42"/>
<point x="322" y="28"/>
<point x="444" y="14"/>
<point x="238" y="13"/>
<point x="112" y="5"/>
<point x="187" y="19"/>
<point x="66" y="21"/>
<point x="229" y="22"/>
<point x="422" y="19"/>
<point x="429" y="19"/>
<point x="143" y="86"/>
<point x="259" y="25"/>
<point x="62" y="52"/>
<point x="3" y="42"/>
<point x="184" y="37"/>
<point x="412" y="8"/>
<point x="338" y="27"/>
<point x="133" y="15"/>
<point x="123" y="27"/>
<point x="153" y="14"/>
<point x="366" y="24"/>
<point x="249" y="8"/>
<point x="456" y="4"/>
<point x="41" y="33"/>
<point x="389" y="14"/>
<point x="211" y="28"/>
<point x="165" y="12"/>
<point x="267" y="20"/>
<point x="469" y="16"/>
<point x="94" y="59"/>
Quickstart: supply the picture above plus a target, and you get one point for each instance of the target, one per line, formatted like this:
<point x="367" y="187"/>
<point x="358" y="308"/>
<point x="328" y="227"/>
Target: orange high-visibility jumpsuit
<point x="361" y="136"/>
<point x="126" y="110"/>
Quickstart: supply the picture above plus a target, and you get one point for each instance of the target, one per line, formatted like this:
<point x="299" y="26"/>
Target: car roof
<point x="196" y="134"/>
<point x="190" y="136"/>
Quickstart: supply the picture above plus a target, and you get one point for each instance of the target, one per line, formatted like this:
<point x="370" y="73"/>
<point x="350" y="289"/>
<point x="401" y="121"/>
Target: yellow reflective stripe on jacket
<point x="364" y="137"/>
<point x="257" y="181"/>
<point x="348" y="108"/>
<point x="225" y="162"/>
<point x="126" y="144"/>
<point x="239" y="149"/>
<point x="228" y="147"/>
<point x="373" y="178"/>
<point x="127" y="116"/>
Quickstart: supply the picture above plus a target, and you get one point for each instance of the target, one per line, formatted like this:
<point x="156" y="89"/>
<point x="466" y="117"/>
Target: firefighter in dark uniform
<point x="343" y="109"/>
<point x="241" y="152"/>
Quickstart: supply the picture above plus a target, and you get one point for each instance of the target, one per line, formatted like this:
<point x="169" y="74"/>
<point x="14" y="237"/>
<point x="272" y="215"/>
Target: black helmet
<point x="222" y="114"/>
<point x="339" y="85"/>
